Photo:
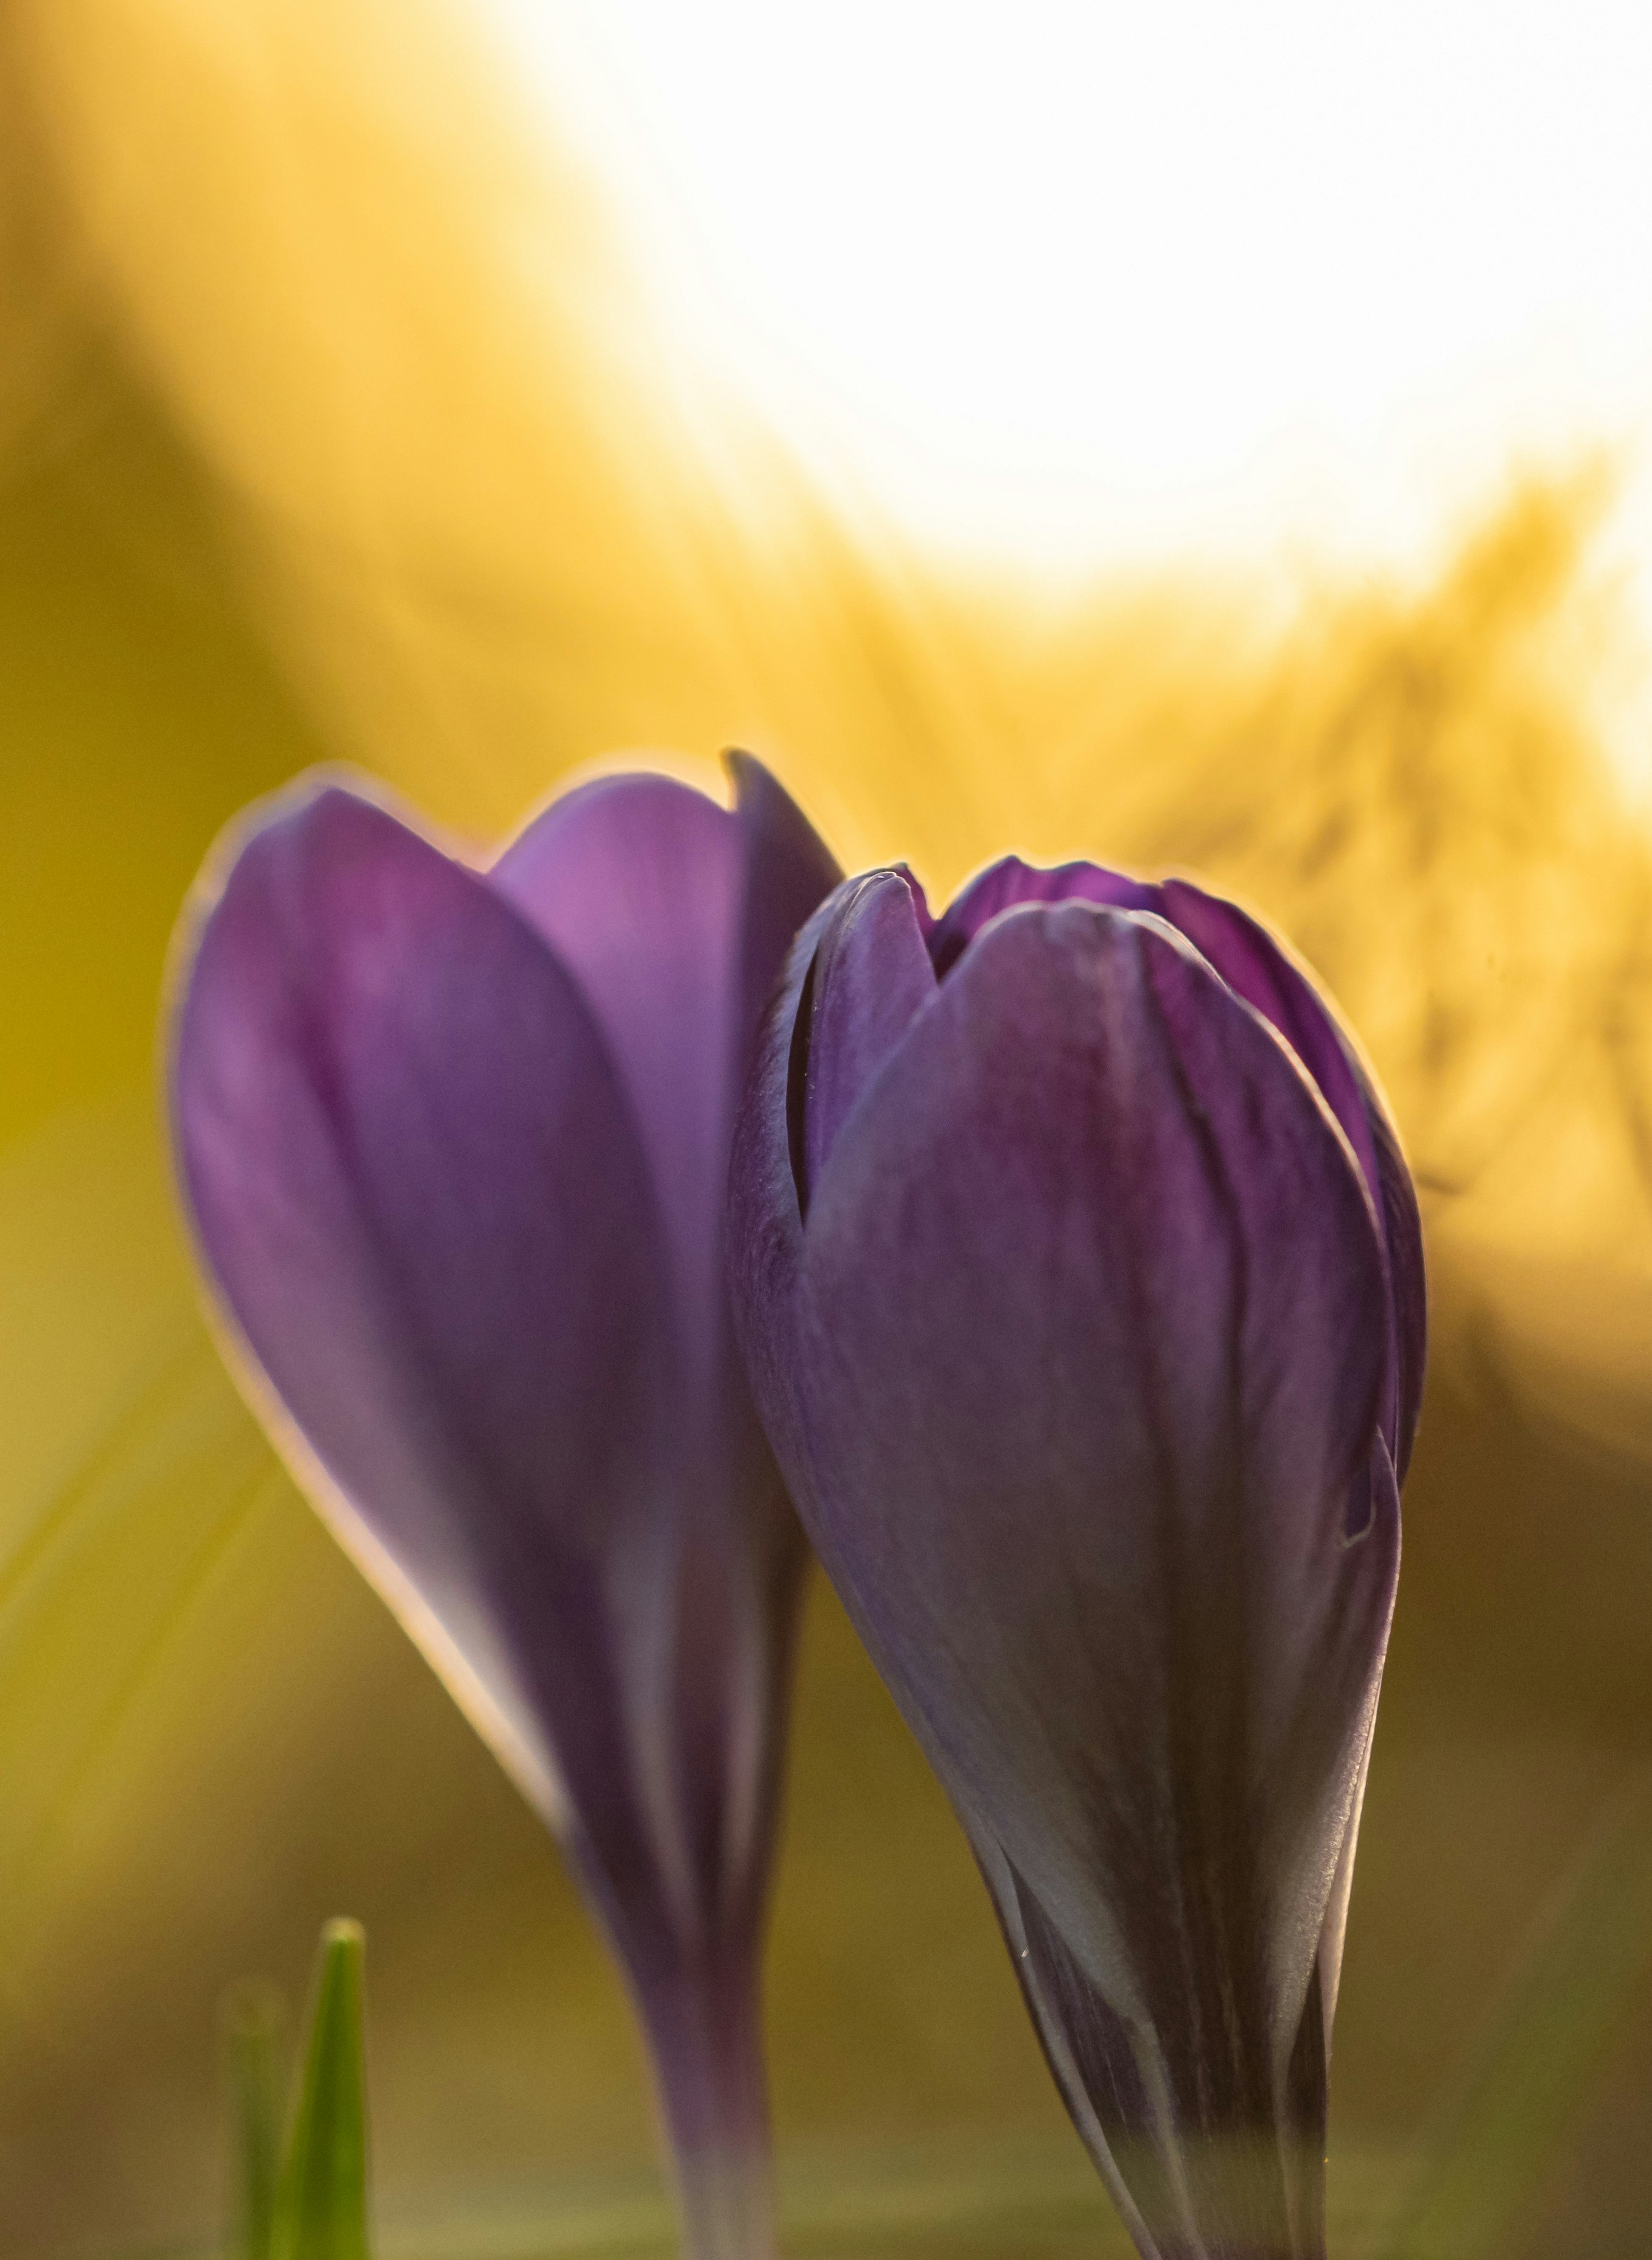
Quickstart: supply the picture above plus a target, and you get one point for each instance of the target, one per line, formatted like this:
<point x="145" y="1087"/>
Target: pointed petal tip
<point x="1012" y="881"/>
<point x="871" y="974"/>
<point x="746" y="774"/>
<point x="1259" y="966"/>
<point x="615" y="820"/>
<point x="805" y="870"/>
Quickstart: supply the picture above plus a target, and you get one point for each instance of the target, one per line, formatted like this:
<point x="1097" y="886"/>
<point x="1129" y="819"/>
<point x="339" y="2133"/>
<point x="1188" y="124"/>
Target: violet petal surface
<point x="455" y="1148"/>
<point x="1077" y="1341"/>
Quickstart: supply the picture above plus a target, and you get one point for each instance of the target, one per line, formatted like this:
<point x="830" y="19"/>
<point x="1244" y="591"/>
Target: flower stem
<point x="705" y="2026"/>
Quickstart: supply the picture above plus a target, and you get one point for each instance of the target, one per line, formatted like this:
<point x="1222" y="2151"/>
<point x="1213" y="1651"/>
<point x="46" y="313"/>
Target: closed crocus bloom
<point x="1082" y="1284"/>
<point x="455" y="1146"/>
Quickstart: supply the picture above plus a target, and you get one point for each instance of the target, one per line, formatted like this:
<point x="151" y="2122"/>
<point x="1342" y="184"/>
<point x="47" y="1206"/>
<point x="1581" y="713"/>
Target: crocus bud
<point x="454" y="1147"/>
<point x="1081" y="1281"/>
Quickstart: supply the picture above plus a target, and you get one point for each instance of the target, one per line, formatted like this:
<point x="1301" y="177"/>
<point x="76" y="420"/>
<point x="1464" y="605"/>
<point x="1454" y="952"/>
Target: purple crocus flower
<point x="455" y="1146"/>
<point x="1080" y="1280"/>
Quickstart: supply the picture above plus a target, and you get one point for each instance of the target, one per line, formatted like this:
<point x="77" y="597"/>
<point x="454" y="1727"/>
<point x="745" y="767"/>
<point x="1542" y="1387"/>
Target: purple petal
<point x="870" y="975"/>
<point x="1257" y="968"/>
<point x="740" y="1567"/>
<point x="638" y="884"/>
<point x="1385" y="1494"/>
<point x="1005" y="885"/>
<point x="768" y="1173"/>
<point x="456" y="1149"/>
<point x="1090" y="1336"/>
<point x="765" y="1216"/>
<point x="416" y="1185"/>
<point x="789" y="872"/>
<point x="673" y="915"/>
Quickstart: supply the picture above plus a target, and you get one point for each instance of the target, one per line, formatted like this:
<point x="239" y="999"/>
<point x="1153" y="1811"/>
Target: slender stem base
<point x="706" y="2028"/>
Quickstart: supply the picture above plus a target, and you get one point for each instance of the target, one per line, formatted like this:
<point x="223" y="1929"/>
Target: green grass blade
<point x="321" y="2205"/>
<point x="253" y="2022"/>
<point x="1542" y="2054"/>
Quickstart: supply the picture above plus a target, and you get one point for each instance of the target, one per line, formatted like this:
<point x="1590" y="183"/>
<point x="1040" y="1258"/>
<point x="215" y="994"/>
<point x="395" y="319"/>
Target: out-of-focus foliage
<point x="252" y="2034"/>
<point x="307" y="2199"/>
<point x="330" y="425"/>
<point x="321" y="2202"/>
<point x="1483" y="2175"/>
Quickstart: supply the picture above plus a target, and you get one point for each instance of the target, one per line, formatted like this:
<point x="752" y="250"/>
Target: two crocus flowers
<point x="1066" y="1276"/>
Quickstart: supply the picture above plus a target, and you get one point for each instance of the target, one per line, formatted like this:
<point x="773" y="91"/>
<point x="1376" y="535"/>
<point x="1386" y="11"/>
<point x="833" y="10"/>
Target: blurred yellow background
<point x="335" y="424"/>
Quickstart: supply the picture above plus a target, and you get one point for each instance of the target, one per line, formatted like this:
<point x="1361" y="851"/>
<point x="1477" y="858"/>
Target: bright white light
<point x="1084" y="279"/>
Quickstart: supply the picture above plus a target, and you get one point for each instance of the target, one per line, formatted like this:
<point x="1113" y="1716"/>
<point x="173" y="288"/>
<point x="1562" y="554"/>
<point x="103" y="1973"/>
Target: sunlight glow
<point x="1066" y="287"/>
<point x="1078" y="276"/>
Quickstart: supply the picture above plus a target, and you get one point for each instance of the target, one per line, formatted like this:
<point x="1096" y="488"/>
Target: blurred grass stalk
<point x="1527" y="2077"/>
<point x="1529" y="2074"/>
<point x="321" y="2199"/>
<point x="253" y="2034"/>
<point x="306" y="2198"/>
